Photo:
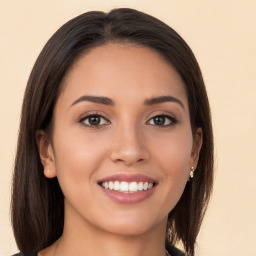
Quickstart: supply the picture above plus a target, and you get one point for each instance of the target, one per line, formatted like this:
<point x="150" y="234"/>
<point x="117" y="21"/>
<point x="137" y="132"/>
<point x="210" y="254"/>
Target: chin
<point x="134" y="226"/>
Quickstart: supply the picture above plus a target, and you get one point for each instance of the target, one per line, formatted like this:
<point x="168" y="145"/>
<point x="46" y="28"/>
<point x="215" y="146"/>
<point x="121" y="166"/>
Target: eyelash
<point x="87" y="118"/>
<point x="171" y="119"/>
<point x="83" y="120"/>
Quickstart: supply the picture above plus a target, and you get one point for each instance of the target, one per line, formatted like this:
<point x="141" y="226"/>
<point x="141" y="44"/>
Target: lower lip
<point x="128" y="198"/>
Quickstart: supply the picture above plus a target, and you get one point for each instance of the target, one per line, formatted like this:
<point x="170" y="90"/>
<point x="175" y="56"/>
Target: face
<point x="122" y="145"/>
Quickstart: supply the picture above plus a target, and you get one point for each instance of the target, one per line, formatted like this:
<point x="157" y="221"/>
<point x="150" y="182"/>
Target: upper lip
<point x="128" y="178"/>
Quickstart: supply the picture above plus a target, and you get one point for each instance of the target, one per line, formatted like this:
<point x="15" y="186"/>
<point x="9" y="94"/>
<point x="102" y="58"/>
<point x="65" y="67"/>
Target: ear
<point x="197" y="144"/>
<point x="46" y="153"/>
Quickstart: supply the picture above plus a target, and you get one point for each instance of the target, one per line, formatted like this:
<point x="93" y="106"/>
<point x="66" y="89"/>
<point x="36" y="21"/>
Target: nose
<point x="129" y="147"/>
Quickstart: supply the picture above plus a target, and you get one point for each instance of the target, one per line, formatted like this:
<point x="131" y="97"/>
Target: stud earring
<point x="192" y="172"/>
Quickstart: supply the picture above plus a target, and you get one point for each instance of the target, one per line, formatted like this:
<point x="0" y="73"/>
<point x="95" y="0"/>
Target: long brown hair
<point x="37" y="202"/>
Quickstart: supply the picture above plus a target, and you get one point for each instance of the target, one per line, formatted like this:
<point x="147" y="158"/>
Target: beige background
<point x="222" y="35"/>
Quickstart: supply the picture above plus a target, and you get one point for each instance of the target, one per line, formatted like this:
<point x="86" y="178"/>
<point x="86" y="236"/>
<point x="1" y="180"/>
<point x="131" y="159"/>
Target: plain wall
<point x="222" y="35"/>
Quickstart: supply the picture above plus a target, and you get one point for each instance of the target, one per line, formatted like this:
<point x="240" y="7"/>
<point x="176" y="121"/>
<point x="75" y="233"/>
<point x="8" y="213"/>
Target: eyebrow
<point x="109" y="102"/>
<point x="162" y="99"/>
<point x="94" y="99"/>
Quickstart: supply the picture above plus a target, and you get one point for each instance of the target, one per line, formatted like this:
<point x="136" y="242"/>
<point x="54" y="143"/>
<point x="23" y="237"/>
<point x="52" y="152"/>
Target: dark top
<point x="172" y="250"/>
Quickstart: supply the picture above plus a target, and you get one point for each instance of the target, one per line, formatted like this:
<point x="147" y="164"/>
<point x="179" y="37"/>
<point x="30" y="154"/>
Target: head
<point x="38" y="202"/>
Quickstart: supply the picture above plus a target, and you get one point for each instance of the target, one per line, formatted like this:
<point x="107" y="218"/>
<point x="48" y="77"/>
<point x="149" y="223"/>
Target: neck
<point x="110" y="246"/>
<point x="80" y="238"/>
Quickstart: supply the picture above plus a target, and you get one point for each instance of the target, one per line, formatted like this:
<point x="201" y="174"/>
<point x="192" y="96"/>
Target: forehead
<point x="117" y="70"/>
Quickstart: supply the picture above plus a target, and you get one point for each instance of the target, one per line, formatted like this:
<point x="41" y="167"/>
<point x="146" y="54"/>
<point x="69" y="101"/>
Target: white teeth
<point x="133" y="187"/>
<point x="145" y="186"/>
<point x="140" y="186"/>
<point x="126" y="187"/>
<point x="116" y="185"/>
<point x="110" y="185"/>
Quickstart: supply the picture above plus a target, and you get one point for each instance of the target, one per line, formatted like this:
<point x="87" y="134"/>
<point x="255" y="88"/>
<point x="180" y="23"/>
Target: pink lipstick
<point x="128" y="188"/>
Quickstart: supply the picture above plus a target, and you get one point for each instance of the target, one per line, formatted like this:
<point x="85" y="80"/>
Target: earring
<point x="192" y="172"/>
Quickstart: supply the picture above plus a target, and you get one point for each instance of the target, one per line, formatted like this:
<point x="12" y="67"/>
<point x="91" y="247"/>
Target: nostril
<point x="129" y="160"/>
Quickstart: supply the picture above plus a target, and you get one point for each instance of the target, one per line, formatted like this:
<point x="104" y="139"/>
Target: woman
<point x="115" y="151"/>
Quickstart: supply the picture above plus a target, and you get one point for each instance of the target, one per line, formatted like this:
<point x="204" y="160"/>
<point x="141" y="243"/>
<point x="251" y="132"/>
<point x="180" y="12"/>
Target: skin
<point x="128" y="140"/>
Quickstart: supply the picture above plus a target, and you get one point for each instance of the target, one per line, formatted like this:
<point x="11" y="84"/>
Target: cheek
<point x="76" y="149"/>
<point x="174" y="151"/>
<point x="173" y="159"/>
<point x="76" y="159"/>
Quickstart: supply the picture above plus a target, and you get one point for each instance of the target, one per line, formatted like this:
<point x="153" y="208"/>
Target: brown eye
<point x="94" y="121"/>
<point x="162" y="120"/>
<point x="159" y="120"/>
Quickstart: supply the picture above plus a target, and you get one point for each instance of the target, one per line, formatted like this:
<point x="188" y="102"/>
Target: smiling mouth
<point x="127" y="187"/>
